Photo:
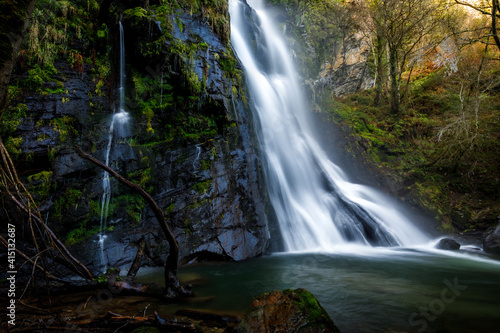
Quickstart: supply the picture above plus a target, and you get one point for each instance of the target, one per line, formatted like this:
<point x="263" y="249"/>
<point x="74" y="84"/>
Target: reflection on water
<point x="385" y="291"/>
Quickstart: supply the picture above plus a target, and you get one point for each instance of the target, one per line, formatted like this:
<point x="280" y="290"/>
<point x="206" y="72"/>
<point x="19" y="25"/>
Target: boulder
<point x="491" y="240"/>
<point x="290" y="310"/>
<point x="448" y="244"/>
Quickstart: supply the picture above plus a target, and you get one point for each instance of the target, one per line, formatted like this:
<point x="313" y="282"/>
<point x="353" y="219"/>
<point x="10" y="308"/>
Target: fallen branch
<point x="48" y="274"/>
<point x="172" y="285"/>
<point x="138" y="259"/>
<point x="14" y="189"/>
<point x="80" y="268"/>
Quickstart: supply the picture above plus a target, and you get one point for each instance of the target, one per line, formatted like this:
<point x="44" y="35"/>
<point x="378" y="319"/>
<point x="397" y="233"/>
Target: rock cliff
<point x="191" y="145"/>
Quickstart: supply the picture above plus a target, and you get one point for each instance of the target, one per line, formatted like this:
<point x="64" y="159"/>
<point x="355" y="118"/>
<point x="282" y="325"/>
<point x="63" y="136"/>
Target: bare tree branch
<point x="15" y="190"/>
<point x="172" y="259"/>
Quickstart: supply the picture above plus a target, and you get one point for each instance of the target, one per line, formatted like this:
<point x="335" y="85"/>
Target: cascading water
<point x="317" y="208"/>
<point x="118" y="128"/>
<point x="197" y="158"/>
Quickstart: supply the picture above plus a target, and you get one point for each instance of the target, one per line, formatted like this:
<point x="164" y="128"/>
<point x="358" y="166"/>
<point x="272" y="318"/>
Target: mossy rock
<point x="290" y="310"/>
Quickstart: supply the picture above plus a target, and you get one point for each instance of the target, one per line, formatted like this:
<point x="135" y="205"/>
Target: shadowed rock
<point x="448" y="244"/>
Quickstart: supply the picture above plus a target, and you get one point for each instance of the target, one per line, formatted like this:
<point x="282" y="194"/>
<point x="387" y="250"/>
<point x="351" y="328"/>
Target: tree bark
<point x="171" y="281"/>
<point x="494" y="10"/>
<point x="138" y="258"/>
<point x="393" y="72"/>
<point x="379" y="54"/>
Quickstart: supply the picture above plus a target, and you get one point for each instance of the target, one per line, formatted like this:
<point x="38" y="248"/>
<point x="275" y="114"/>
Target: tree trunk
<point x="14" y="16"/>
<point x="379" y="56"/>
<point x="172" y="286"/>
<point x="393" y="72"/>
<point x="494" y="10"/>
<point x="138" y="258"/>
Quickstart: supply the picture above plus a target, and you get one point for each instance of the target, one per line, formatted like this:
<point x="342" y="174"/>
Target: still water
<point x="380" y="290"/>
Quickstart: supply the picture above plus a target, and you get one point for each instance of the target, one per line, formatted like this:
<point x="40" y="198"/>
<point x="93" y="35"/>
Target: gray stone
<point x="448" y="244"/>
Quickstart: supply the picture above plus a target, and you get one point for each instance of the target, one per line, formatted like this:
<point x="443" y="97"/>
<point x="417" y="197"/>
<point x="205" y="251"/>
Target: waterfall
<point x="316" y="206"/>
<point x="198" y="152"/>
<point x="118" y="128"/>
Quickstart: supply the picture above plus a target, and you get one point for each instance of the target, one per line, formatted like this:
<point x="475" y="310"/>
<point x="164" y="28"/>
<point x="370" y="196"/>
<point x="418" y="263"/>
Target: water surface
<point x="380" y="290"/>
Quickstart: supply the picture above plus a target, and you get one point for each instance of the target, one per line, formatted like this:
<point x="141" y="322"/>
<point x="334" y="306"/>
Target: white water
<point x="317" y="208"/>
<point x="197" y="158"/>
<point x="117" y="128"/>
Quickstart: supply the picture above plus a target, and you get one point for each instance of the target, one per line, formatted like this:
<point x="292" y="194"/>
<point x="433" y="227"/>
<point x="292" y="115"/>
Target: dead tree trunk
<point x="138" y="258"/>
<point x="172" y="286"/>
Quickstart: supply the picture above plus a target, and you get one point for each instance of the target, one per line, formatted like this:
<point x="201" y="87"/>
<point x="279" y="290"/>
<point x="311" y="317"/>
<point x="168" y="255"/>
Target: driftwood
<point x="173" y="288"/>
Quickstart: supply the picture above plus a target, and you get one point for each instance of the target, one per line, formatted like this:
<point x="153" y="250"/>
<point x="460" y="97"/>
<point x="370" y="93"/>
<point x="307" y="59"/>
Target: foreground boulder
<point x="290" y="310"/>
<point x="491" y="240"/>
<point x="448" y="244"/>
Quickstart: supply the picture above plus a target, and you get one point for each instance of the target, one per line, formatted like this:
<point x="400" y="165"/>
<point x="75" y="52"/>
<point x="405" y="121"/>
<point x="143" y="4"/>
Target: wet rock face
<point x="491" y="240"/>
<point x="211" y="192"/>
<point x="291" y="310"/>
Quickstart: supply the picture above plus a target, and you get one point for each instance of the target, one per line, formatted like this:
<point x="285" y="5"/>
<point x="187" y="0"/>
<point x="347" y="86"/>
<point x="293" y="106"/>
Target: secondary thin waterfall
<point x="317" y="208"/>
<point x="118" y="128"/>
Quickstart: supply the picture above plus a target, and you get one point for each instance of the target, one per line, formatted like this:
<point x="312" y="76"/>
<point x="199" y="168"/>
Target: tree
<point x="489" y="8"/>
<point x="376" y="28"/>
<point x="403" y="27"/>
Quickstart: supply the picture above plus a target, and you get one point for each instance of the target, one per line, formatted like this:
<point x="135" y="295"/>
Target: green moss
<point x="134" y="205"/>
<point x="206" y="164"/>
<point x="65" y="127"/>
<point x="188" y="226"/>
<point x="13" y="144"/>
<point x="170" y="209"/>
<point x="316" y="315"/>
<point x="141" y="177"/>
<point x="69" y="199"/>
<point x="95" y="208"/>
<point x="11" y="119"/>
<point x="41" y="184"/>
<point x="228" y="64"/>
<point x="51" y="153"/>
<point x="78" y="235"/>
<point x="202" y="187"/>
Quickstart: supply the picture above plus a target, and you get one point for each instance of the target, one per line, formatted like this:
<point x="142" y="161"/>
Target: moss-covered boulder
<point x="290" y="310"/>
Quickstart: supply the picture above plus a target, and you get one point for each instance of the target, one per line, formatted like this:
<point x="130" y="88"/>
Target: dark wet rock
<point x="448" y="244"/>
<point x="460" y="219"/>
<point x="291" y="310"/>
<point x="491" y="240"/>
<point x="211" y="191"/>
